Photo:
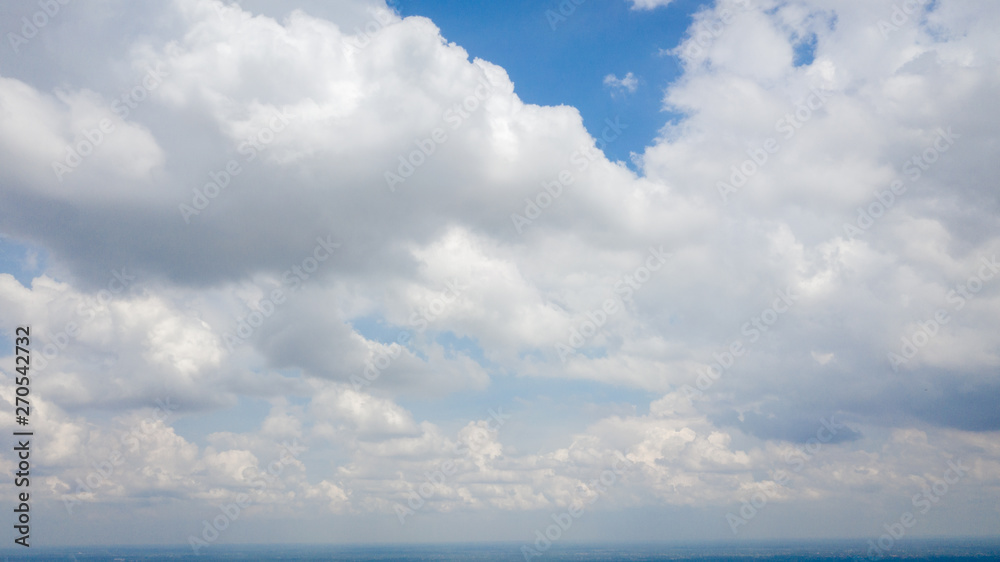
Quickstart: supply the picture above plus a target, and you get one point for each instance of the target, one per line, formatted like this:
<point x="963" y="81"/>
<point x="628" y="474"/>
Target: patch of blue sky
<point x="565" y="60"/>
<point x="23" y="261"/>
<point x="554" y="403"/>
<point x="247" y="416"/>
<point x="505" y="389"/>
<point x="455" y="345"/>
<point x="375" y="328"/>
<point x="244" y="417"/>
<point x="534" y="403"/>
<point x="805" y="51"/>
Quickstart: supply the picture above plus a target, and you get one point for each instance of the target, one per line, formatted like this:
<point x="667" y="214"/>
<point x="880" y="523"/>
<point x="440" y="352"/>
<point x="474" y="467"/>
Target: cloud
<point x="818" y="217"/>
<point x="628" y="83"/>
<point x="649" y="4"/>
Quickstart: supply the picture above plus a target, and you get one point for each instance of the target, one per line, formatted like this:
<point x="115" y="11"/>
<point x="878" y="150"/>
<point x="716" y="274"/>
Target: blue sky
<point x="21" y="260"/>
<point x="563" y="60"/>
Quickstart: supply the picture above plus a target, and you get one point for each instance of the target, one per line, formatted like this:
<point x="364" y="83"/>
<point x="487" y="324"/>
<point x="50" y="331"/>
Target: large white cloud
<point x="758" y="283"/>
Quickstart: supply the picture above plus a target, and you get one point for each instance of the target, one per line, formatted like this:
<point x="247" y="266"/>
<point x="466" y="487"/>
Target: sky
<point x="446" y="271"/>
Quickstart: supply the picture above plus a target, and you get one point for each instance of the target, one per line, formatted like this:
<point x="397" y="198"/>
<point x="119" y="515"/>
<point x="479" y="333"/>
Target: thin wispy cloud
<point x="620" y="86"/>
<point x="649" y="4"/>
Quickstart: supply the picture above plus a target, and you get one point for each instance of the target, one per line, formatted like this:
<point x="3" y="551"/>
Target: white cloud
<point x="483" y="304"/>
<point x="649" y="4"/>
<point x="628" y="83"/>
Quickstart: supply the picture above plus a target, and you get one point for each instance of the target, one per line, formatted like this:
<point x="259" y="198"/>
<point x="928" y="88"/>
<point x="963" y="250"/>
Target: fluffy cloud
<point x="239" y="236"/>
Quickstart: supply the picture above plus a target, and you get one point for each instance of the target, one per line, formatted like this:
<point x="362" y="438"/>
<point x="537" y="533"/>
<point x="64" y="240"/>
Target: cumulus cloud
<point x="237" y="243"/>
